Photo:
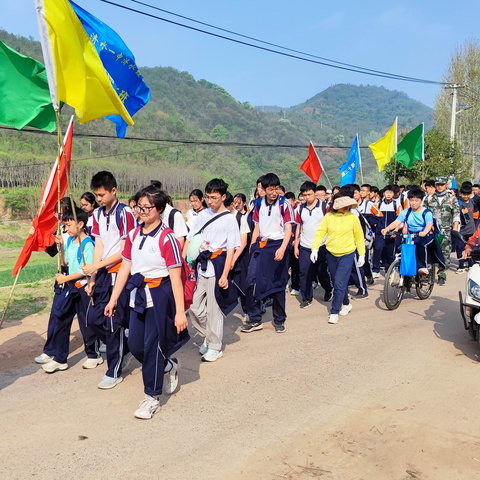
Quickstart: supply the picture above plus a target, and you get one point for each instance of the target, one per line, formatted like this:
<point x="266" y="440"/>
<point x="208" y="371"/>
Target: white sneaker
<point x="43" y="358"/>
<point x="375" y="275"/>
<point x="423" y="271"/>
<point x="147" y="408"/>
<point x="294" y="292"/>
<point x="345" y="310"/>
<point x="109" y="382"/>
<point x="170" y="379"/>
<point x="102" y="348"/>
<point x="333" y="318"/>
<point x="212" y="355"/>
<point x="203" y="348"/>
<point x="92" y="363"/>
<point x="53" y="366"/>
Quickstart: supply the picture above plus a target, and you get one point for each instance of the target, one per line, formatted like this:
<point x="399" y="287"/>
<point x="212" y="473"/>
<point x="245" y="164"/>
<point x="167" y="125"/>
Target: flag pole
<point x="321" y="165"/>
<point x="360" y="159"/>
<point x="69" y="188"/>
<point x="10" y="297"/>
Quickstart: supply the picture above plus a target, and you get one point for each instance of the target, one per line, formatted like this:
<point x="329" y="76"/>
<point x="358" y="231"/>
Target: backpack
<point x="85" y="242"/>
<point x="303" y="206"/>
<point x="118" y="214"/>
<point x="367" y="232"/>
<point x="171" y="219"/>
<point x="188" y="280"/>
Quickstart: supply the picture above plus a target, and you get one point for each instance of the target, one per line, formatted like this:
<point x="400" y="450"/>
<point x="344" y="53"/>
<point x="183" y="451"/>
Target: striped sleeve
<point x="170" y="251"/>
<point x="127" y="222"/>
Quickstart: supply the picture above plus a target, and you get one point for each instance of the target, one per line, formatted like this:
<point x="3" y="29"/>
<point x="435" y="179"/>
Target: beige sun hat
<point x="342" y="202"/>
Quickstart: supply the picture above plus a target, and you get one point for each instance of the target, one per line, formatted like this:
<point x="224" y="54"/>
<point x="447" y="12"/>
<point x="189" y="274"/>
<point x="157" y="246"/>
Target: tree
<point x="442" y="158"/>
<point x="464" y="70"/>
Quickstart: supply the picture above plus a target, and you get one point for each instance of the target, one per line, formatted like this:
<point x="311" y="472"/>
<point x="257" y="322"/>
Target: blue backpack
<point x="85" y="242"/>
<point x="436" y="229"/>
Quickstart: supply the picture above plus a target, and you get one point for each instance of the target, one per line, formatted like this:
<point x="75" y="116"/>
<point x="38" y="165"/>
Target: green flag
<point x="24" y="92"/>
<point x="410" y="149"/>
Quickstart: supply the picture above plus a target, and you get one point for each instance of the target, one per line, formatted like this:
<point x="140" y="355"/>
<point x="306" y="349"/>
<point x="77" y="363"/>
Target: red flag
<point x="45" y="222"/>
<point x="312" y="166"/>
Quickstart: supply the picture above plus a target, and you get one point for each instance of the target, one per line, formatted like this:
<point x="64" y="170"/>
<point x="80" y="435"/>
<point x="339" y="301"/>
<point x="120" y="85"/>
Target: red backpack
<point x="187" y="275"/>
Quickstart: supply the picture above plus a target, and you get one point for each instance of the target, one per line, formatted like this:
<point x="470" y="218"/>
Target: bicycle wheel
<point x="393" y="289"/>
<point x="424" y="285"/>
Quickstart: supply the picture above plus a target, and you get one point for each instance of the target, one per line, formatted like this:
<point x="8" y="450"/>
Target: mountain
<point x="193" y="113"/>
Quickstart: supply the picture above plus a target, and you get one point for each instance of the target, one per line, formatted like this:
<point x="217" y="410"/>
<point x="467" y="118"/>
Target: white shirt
<point x="222" y="234"/>
<point x="270" y="220"/>
<point x="310" y="221"/>
<point x="179" y="226"/>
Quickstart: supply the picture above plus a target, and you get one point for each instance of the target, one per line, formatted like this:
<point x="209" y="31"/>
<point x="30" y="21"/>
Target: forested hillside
<point x="185" y="110"/>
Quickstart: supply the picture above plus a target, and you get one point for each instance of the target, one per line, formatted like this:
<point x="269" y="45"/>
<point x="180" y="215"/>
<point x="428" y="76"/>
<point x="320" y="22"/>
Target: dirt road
<point x="381" y="395"/>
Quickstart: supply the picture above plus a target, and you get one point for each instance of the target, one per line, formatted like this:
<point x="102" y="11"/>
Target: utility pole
<point x="454" y="87"/>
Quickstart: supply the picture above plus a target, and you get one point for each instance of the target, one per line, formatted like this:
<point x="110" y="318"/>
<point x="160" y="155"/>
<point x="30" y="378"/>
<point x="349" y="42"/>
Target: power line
<point x="340" y="67"/>
<point x="274" y="44"/>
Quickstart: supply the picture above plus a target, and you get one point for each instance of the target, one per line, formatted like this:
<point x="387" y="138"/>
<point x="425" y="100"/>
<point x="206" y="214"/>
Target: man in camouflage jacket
<point x="446" y="211"/>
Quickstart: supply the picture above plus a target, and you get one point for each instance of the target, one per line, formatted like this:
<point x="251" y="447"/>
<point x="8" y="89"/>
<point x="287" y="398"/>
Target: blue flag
<point x="119" y="63"/>
<point x="454" y="183"/>
<point x="348" y="170"/>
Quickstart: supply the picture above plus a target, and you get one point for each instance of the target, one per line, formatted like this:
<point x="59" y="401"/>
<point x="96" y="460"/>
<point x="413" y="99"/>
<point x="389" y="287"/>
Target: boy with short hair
<point x="73" y="299"/>
<point x="309" y="216"/>
<point x="467" y="225"/>
<point x="268" y="268"/>
<point x="111" y="223"/>
<point x="215" y="295"/>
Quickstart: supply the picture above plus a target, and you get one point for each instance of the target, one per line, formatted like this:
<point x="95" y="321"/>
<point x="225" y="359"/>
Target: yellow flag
<point x="76" y="75"/>
<point x="384" y="149"/>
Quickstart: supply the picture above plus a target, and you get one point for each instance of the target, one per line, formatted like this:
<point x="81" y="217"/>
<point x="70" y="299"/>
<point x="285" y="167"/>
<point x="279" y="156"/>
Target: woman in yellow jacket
<point x="344" y="235"/>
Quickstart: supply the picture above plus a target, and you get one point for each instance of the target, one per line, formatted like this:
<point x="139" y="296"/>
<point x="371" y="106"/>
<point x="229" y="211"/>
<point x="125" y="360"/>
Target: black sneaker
<point x="441" y="281"/>
<point x="328" y="296"/>
<point x="361" y="295"/>
<point x="280" y="327"/>
<point x="251" y="327"/>
<point x="370" y="281"/>
<point x="305" y="303"/>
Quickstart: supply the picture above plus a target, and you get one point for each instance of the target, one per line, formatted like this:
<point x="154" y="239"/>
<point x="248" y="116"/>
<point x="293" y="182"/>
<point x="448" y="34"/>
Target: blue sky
<point x="408" y="38"/>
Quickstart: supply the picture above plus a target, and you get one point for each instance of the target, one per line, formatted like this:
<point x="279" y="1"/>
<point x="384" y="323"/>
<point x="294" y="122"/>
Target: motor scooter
<point x="470" y="305"/>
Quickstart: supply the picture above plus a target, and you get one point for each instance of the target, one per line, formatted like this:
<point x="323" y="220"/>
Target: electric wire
<point x="339" y="67"/>
<point x="272" y="44"/>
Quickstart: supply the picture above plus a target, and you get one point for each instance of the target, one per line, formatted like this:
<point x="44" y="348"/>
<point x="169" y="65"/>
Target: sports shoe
<point x="251" y="327"/>
<point x="294" y="292"/>
<point x="328" y="296"/>
<point x="423" y="271"/>
<point x="43" y="358"/>
<point x="441" y="282"/>
<point x="212" y="355"/>
<point x="305" y="304"/>
<point x="147" y="408"/>
<point x="314" y="285"/>
<point x="280" y="327"/>
<point x="203" y="348"/>
<point x="360" y="295"/>
<point x="460" y="270"/>
<point x="92" y="363"/>
<point x="375" y="275"/>
<point x="370" y="281"/>
<point x="170" y="380"/>
<point x="333" y="318"/>
<point x="53" y="366"/>
<point x="127" y="358"/>
<point x="345" y="310"/>
<point x="102" y="348"/>
<point x="109" y="382"/>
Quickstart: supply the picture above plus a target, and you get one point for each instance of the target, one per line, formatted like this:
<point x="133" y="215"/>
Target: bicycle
<point x="397" y="285"/>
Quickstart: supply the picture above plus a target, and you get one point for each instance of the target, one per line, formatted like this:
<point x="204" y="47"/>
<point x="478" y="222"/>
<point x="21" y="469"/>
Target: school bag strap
<point x="281" y="204"/>
<point x="216" y="217"/>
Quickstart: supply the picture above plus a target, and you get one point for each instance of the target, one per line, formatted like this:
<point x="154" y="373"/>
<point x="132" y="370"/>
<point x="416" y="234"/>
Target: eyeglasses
<point x="146" y="210"/>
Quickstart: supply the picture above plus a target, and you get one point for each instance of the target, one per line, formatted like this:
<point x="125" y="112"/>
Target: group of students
<point x="125" y="267"/>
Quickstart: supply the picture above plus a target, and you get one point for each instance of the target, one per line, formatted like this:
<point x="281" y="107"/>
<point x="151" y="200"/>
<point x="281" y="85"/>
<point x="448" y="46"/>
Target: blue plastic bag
<point x="408" y="261"/>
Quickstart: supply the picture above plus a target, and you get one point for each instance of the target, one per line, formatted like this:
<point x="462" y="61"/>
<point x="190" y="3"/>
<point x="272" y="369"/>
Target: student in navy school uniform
<point x="308" y="217"/>
<point x="292" y="259"/>
<point x="158" y="325"/>
<point x="268" y="268"/>
<point x="215" y="295"/>
<point x="73" y="299"/>
<point x="111" y="224"/>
